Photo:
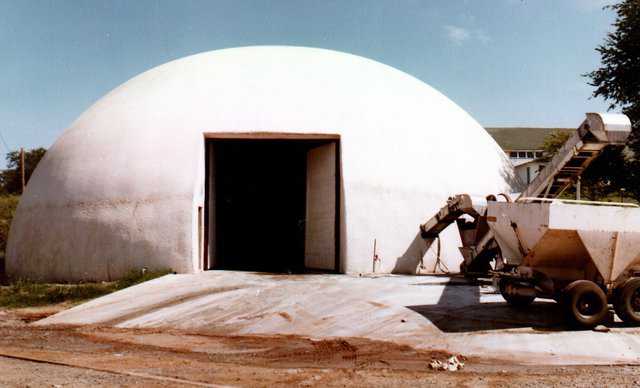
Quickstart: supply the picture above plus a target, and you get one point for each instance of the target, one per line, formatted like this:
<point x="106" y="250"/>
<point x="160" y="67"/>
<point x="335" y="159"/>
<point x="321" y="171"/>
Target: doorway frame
<point x="212" y="137"/>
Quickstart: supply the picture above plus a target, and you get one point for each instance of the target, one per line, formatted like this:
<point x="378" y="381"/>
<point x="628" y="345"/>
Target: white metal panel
<point x="612" y="252"/>
<point x="590" y="217"/>
<point x="320" y="231"/>
<point x="211" y="222"/>
<point x="517" y="226"/>
<point x="614" y="121"/>
<point x="601" y="246"/>
<point x="627" y="253"/>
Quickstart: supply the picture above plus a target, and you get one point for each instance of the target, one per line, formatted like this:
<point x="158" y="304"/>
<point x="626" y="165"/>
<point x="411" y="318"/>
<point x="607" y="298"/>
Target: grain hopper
<point x="583" y="254"/>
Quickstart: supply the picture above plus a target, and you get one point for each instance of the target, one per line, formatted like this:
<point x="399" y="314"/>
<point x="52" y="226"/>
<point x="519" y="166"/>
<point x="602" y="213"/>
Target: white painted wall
<point x="534" y="167"/>
<point x="121" y="186"/>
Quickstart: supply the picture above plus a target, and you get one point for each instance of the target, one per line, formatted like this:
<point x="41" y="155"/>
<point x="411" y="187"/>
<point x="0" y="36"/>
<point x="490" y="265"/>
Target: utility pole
<point x="22" y="178"/>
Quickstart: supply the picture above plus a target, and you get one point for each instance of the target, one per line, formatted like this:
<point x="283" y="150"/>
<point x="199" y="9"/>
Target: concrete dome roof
<point x="118" y="189"/>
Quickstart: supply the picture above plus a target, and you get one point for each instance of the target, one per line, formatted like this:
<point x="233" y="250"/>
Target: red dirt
<point x="102" y="356"/>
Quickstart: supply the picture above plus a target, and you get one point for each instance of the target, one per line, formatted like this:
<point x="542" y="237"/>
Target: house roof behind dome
<point x="520" y="138"/>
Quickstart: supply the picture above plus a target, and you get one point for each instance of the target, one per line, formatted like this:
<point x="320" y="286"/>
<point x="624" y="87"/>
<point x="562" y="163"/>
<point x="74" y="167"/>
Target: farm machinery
<point x="585" y="255"/>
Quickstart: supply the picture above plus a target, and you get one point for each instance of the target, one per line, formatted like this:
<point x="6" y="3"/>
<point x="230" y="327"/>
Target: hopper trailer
<point x="583" y="254"/>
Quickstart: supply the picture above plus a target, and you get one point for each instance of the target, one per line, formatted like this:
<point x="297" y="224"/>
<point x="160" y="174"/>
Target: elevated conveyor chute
<point x="456" y="206"/>
<point x="596" y="132"/>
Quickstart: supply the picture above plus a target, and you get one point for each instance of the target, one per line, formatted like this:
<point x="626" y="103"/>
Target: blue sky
<point x="507" y="62"/>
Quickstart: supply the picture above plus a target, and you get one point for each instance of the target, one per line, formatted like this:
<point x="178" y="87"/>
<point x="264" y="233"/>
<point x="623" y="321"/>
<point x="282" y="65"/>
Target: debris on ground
<point x="601" y="329"/>
<point x="451" y="364"/>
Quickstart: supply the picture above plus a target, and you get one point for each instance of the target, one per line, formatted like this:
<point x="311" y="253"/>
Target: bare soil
<point x="103" y="356"/>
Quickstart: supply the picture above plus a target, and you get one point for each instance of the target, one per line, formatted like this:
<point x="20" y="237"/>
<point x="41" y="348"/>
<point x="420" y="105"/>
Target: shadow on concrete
<point x="452" y="281"/>
<point x="412" y="257"/>
<point x="459" y="311"/>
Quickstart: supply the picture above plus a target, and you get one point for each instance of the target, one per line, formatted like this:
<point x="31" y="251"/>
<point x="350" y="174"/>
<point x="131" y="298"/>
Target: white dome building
<point x="256" y="158"/>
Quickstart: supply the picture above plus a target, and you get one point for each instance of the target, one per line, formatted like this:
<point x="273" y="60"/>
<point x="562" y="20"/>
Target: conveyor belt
<point x="596" y="132"/>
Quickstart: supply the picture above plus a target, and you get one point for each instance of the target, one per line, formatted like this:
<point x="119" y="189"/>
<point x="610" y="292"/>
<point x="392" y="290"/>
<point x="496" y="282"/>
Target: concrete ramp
<point x="427" y="312"/>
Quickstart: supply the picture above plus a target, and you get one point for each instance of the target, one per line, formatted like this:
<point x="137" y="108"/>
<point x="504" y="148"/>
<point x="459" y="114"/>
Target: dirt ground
<point x="102" y="356"/>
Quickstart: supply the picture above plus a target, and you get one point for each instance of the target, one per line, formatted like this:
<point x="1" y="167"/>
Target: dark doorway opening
<point x="257" y="204"/>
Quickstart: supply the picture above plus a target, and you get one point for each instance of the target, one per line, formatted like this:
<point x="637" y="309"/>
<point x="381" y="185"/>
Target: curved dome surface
<point x="121" y="187"/>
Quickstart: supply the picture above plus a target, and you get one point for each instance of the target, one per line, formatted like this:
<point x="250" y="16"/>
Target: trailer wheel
<point x="585" y="303"/>
<point x="627" y="301"/>
<point x="514" y="300"/>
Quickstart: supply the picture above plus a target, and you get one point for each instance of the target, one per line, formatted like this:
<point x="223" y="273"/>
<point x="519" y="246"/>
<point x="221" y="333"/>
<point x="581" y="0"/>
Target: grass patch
<point x="24" y="293"/>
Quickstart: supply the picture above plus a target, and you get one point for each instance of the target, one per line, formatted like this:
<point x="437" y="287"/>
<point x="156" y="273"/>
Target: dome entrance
<point x="270" y="203"/>
<point x="108" y="197"/>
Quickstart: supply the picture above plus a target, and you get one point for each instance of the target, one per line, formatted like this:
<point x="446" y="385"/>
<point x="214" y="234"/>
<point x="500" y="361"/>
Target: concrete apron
<point x="428" y="312"/>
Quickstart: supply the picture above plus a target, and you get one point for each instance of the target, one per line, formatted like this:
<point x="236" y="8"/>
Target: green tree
<point x="8" y="205"/>
<point x="553" y="141"/>
<point x="618" y="82"/>
<point x="10" y="180"/>
<point x="607" y="176"/>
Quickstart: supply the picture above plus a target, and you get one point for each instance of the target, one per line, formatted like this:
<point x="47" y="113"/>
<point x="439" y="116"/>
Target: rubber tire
<point x="572" y="295"/>
<point x="622" y="301"/>
<point x="517" y="301"/>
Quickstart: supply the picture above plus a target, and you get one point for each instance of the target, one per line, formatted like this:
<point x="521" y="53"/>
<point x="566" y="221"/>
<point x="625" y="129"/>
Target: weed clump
<point x="26" y="293"/>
